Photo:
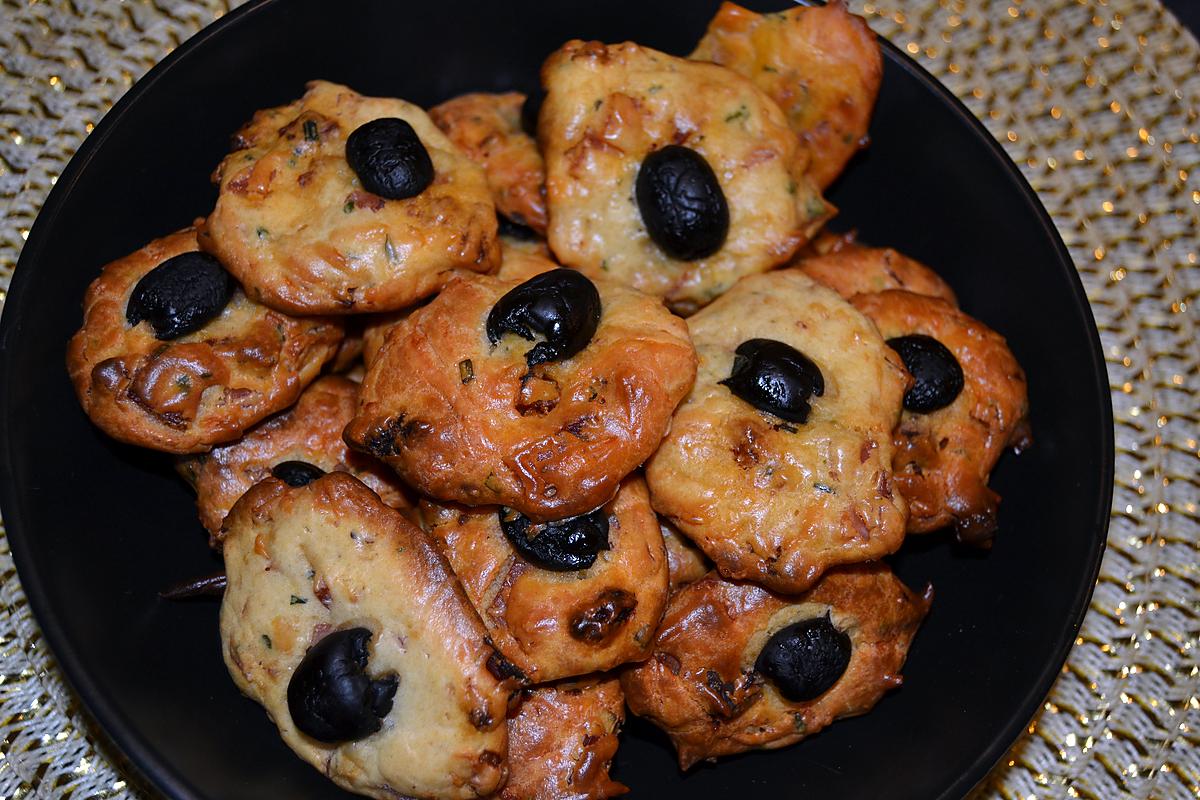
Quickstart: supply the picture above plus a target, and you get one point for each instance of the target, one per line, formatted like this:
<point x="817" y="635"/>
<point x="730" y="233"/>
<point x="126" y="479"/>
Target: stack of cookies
<point x="512" y="413"/>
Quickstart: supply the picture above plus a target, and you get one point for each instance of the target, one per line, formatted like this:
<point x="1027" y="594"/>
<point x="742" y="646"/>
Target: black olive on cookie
<point x="968" y="404"/>
<point x="387" y="692"/>
<point x="778" y="465"/>
<point x="676" y="177"/>
<point x="736" y="667"/>
<point x="564" y="598"/>
<point x="174" y="356"/>
<point x="340" y="203"/>
<point x="461" y="405"/>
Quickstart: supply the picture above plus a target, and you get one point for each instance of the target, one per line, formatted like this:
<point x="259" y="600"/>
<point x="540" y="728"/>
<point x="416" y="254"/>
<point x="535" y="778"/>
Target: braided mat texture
<point x="1095" y="100"/>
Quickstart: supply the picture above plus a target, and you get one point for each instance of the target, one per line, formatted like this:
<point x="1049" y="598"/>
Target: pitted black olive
<point x="776" y="378"/>
<point x="562" y="546"/>
<point x="937" y="375"/>
<point x="806" y="658"/>
<point x="682" y="204"/>
<point x="531" y="109"/>
<point x="561" y="305"/>
<point x="515" y="230"/>
<point x="389" y="158"/>
<point x="330" y="696"/>
<point x="296" y="473"/>
<point x="180" y="295"/>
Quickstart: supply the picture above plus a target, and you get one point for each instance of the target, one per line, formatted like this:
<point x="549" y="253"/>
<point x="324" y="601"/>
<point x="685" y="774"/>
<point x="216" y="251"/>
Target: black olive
<point x="682" y="204"/>
<point x="389" y="158"/>
<point x="804" y="659"/>
<point x="562" y="546"/>
<point x="530" y="109"/>
<point x="296" y="473"/>
<point x="561" y="305"/>
<point x="776" y="378"/>
<point x="937" y="375"/>
<point x="180" y="295"/>
<point x="330" y="696"/>
<point x="515" y="230"/>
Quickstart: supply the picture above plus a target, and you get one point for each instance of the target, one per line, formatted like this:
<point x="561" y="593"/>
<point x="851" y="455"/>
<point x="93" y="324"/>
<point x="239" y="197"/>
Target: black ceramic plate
<point x="98" y="528"/>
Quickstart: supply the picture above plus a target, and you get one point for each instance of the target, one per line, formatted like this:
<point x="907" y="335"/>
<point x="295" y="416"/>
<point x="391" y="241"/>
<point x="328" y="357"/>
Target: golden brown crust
<point x="685" y="562"/>
<point x="856" y="269"/>
<point x="700" y="686"/>
<point x="562" y="740"/>
<point x="821" y="64"/>
<point x="535" y="616"/>
<point x="487" y="127"/>
<point x="309" y="431"/>
<point x="607" y="108"/>
<point x="307" y="561"/>
<point x="944" y="458"/>
<point x="465" y="421"/>
<point x="201" y="389"/>
<point x="294" y="224"/>
<point x="769" y="501"/>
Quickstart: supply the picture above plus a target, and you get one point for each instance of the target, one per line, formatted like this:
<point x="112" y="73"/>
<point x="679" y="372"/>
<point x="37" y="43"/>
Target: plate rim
<point x="114" y="726"/>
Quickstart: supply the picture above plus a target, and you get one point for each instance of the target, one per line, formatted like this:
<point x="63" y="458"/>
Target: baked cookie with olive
<point x="340" y="203"/>
<point x="736" y="667"/>
<point x="967" y="405"/>
<point x="578" y="595"/>
<point x="487" y="127"/>
<point x="779" y="463"/>
<point x="538" y="395"/>
<point x="562" y="739"/>
<point x="821" y="64"/>
<point x="676" y="177"/>
<point x="173" y="356"/>
<point x="295" y="446"/>
<point x="852" y="269"/>
<point x="344" y="622"/>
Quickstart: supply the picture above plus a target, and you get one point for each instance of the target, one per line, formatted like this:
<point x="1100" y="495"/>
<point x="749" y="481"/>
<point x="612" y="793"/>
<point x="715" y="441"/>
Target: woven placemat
<point x="1095" y="100"/>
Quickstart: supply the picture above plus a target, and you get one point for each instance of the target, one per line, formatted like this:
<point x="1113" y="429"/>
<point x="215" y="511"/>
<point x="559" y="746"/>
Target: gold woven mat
<point x="1096" y="101"/>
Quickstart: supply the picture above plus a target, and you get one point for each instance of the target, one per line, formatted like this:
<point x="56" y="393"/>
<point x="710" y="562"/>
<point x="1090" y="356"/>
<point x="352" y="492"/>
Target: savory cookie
<point x="779" y="496"/>
<point x="566" y="598"/>
<point x="487" y="127"/>
<point x="685" y="562"/>
<point x="178" y="379"/>
<point x="310" y="432"/>
<point x="821" y="64"/>
<point x="344" y="622"/>
<point x="551" y="430"/>
<point x="852" y="269"/>
<point x="951" y="433"/>
<point x="610" y="107"/>
<point x="562" y="739"/>
<point x="736" y="667"/>
<point x="295" y="224"/>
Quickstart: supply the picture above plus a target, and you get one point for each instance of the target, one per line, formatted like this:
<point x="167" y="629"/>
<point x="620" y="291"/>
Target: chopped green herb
<point x="389" y="250"/>
<point x="297" y="601"/>
<point x="491" y="483"/>
<point x="262" y="232"/>
<point x="815" y="207"/>
<point x="741" y="113"/>
<point x="769" y="68"/>
<point x="821" y="487"/>
<point x="604" y="264"/>
<point x="791" y="187"/>
<point x="466" y="371"/>
<point x="655" y="88"/>
<point x="310" y="130"/>
<point x="267" y="641"/>
<point x="346" y="209"/>
<point x="184" y="382"/>
<point x="596" y="105"/>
